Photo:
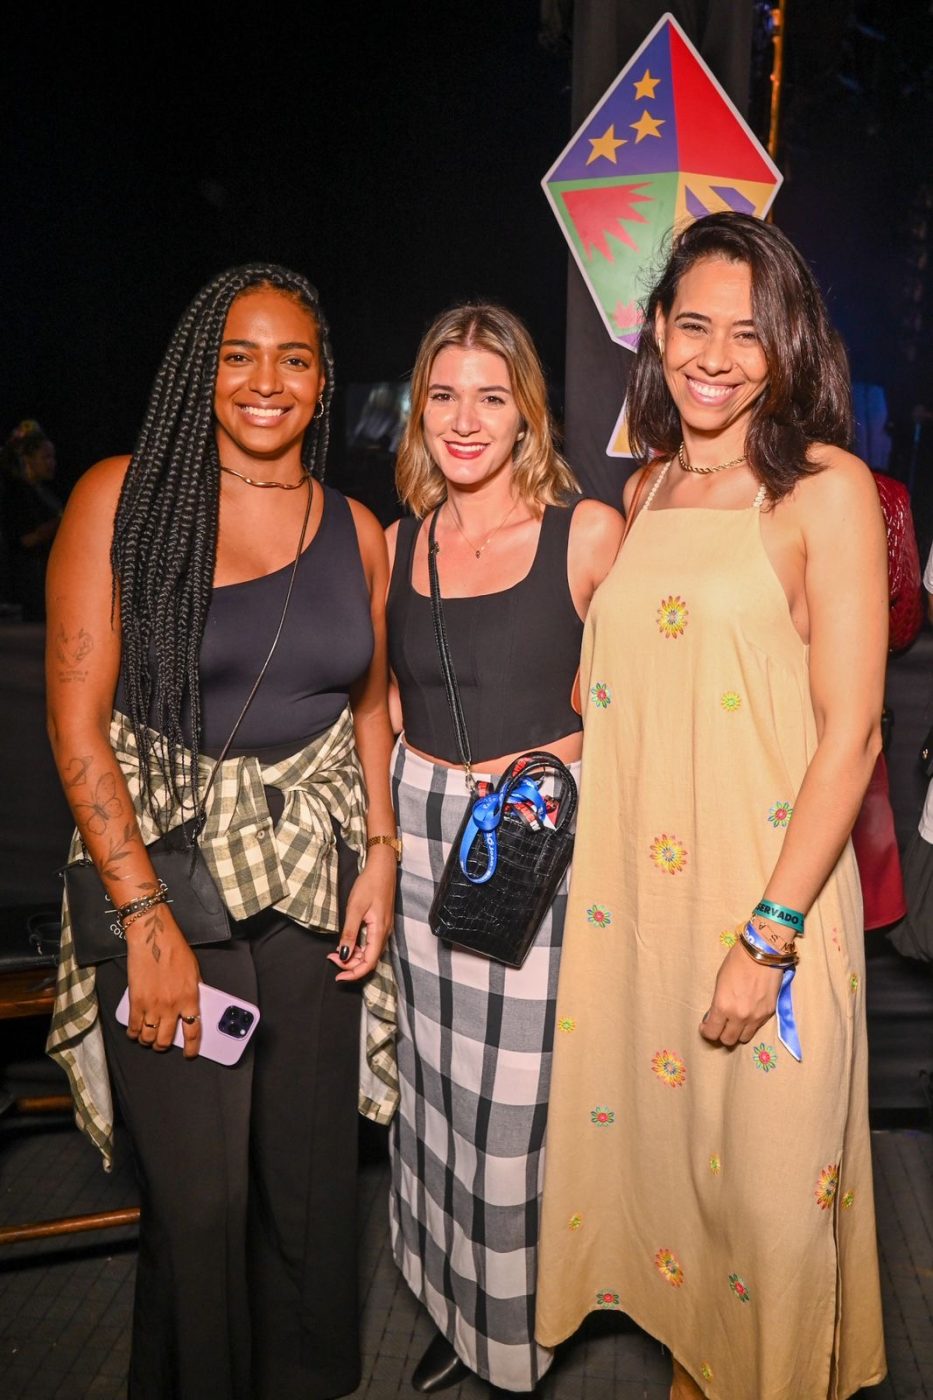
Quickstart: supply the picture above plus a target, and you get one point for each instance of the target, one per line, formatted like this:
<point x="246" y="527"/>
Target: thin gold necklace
<point x="706" y="471"/>
<point x="265" y="485"/>
<point x="463" y="532"/>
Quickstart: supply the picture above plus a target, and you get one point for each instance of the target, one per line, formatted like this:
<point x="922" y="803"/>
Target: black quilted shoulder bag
<point x="513" y="846"/>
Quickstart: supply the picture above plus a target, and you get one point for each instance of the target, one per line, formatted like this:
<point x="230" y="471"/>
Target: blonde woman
<point x="519" y="557"/>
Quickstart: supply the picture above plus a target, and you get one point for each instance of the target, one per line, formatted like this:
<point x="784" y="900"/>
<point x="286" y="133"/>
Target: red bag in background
<point x="873" y="836"/>
<point x="876" y="853"/>
<point x="905" y="581"/>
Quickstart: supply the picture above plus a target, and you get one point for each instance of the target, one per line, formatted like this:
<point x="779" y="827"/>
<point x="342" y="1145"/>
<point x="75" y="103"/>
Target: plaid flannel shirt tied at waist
<point x="256" y="863"/>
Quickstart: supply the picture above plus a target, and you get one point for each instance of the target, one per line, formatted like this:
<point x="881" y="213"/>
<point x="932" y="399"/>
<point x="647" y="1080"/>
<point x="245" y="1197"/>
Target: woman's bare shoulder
<point x="843" y="483"/>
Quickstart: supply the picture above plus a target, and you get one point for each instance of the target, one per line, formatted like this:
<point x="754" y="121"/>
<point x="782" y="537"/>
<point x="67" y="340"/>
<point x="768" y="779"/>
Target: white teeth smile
<point x="713" y="393"/>
<point x="473" y="449"/>
<point x="262" y="413"/>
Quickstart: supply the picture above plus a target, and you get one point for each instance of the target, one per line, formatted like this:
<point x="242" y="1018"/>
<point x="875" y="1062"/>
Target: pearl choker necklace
<point x="706" y="471"/>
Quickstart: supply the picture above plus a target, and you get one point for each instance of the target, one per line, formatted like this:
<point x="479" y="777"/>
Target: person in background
<point x="519" y="557"/>
<point x="708" y="1159"/>
<point x="913" y="936"/>
<point x="246" y="1284"/>
<point x="30" y="512"/>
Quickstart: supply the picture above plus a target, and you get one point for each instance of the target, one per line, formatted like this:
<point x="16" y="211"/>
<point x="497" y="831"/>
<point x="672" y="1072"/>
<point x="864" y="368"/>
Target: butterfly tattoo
<point x="105" y="805"/>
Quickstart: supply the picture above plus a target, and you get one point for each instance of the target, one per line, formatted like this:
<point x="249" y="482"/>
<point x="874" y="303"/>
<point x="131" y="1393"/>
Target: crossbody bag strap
<point x="450" y="679"/>
<point x="199" y="815"/>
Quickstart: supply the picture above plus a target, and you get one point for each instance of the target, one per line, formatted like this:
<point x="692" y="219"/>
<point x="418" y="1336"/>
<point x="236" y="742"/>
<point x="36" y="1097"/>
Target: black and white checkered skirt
<point x="474" y="1058"/>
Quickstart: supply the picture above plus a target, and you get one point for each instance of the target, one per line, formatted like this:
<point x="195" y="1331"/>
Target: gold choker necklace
<point x="281" y="485"/>
<point x="706" y="471"/>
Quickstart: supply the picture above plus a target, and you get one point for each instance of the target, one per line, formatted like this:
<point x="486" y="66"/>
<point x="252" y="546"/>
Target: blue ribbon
<point x="484" y="821"/>
<point x="787" y="1025"/>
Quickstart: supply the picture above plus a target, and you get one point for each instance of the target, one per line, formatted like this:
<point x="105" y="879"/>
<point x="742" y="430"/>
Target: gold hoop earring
<point x="319" y="411"/>
<point x="660" y="347"/>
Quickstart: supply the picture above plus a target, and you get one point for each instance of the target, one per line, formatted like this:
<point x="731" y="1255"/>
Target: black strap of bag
<point x="199" y="814"/>
<point x="176" y="857"/>
<point x="447" y="666"/>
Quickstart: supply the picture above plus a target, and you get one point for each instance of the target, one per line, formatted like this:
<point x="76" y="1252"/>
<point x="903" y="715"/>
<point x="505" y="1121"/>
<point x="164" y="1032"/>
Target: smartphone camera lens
<point x="236" y="1021"/>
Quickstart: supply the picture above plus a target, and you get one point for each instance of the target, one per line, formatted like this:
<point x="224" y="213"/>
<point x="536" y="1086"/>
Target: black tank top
<point x="326" y="644"/>
<point x="515" y="653"/>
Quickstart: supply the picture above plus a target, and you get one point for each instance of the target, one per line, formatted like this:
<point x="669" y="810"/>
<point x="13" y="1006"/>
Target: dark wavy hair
<point x="807" y="398"/>
<point x="165" y="531"/>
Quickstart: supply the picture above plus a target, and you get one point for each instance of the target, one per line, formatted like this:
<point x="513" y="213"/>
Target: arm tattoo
<point x="71" y="649"/>
<point x="118" y="850"/>
<point x="103" y="806"/>
<point x="76" y="771"/>
<point x="153" y="926"/>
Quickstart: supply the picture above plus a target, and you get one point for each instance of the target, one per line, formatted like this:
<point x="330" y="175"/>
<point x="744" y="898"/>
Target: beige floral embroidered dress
<point x="723" y="1199"/>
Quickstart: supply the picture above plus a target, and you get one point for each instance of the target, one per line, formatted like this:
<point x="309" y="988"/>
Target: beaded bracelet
<point x="780" y="914"/>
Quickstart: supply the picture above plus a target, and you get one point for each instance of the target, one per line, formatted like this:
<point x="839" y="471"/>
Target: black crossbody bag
<point x="509" y="857"/>
<point x="196" y="903"/>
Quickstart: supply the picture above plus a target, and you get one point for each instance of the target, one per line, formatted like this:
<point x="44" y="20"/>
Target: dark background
<point x="394" y="153"/>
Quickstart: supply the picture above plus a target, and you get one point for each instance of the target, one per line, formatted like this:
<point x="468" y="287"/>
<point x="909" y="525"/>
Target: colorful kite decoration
<point x="664" y="145"/>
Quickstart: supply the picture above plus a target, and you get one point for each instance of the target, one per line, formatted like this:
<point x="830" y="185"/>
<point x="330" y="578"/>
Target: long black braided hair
<point x="165" y="531"/>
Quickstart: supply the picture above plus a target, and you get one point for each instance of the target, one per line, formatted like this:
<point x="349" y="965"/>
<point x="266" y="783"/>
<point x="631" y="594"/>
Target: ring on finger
<point x="150" y="1025"/>
<point x="190" y="1020"/>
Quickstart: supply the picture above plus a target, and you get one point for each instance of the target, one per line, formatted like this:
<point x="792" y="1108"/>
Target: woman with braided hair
<point x="165" y="589"/>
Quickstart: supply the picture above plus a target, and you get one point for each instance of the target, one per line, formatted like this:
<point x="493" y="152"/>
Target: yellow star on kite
<point x="645" y="87"/>
<point x="605" y="145"/>
<point x="647" y="125"/>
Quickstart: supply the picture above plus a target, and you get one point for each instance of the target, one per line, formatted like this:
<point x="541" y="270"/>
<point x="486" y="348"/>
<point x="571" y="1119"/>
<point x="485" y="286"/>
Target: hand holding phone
<point x="228" y="1023"/>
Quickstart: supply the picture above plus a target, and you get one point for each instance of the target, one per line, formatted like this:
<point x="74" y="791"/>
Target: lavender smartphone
<point x="227" y="1023"/>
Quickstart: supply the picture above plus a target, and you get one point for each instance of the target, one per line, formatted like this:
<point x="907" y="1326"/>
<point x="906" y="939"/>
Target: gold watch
<point x="394" y="841"/>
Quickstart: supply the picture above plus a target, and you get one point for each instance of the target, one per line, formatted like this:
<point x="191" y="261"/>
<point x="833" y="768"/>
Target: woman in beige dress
<point x="709" y="1168"/>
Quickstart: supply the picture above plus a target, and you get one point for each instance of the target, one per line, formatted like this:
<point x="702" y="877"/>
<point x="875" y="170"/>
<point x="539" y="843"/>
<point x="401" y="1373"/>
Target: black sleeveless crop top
<point x="515" y="653"/>
<point x="326" y="644"/>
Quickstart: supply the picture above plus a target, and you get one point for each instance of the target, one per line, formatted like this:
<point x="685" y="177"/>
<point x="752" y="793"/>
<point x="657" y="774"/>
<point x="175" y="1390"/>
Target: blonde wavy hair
<point x="540" y="474"/>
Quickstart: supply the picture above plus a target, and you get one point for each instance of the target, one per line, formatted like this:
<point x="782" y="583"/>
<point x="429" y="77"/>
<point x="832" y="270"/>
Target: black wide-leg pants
<point x="246" y="1284"/>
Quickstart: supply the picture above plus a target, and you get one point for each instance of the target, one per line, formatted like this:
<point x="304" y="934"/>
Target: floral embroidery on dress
<point x="668" y="1266"/>
<point x="598" y="916"/>
<point x="848" y="1200"/>
<point x="765" y="1057"/>
<point x="730" y="701"/>
<point x="601" y="695"/>
<point x="668" y="853"/>
<point x="602" y="1116"/>
<point x="827" y="1185"/>
<point x="566" y="1023"/>
<point x="669" y="1067"/>
<point x="706" y="1371"/>
<point x="728" y="938"/>
<point x="780" y="814"/>
<point x="605" y="1298"/>
<point x="715" y="1164"/>
<point x="575" y="1222"/>
<point x="853" y="982"/>
<point x="672" y="616"/>
<point x="740" y="1288"/>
